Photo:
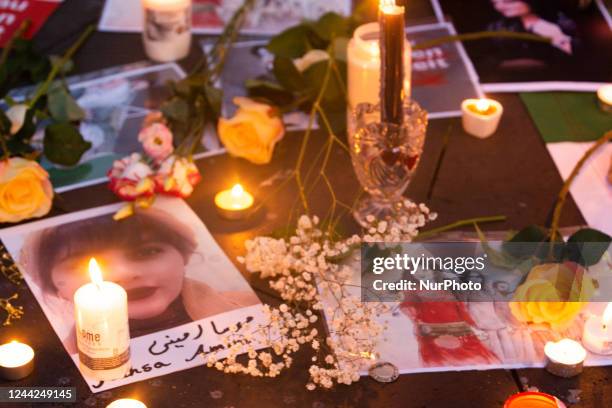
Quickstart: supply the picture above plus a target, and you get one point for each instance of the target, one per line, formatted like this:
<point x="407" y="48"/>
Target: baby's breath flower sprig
<point x="307" y="272"/>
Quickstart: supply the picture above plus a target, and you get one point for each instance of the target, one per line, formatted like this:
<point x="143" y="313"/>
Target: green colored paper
<point x="567" y="116"/>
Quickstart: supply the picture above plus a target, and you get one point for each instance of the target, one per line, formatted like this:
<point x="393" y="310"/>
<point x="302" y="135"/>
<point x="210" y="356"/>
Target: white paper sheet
<point x="591" y="190"/>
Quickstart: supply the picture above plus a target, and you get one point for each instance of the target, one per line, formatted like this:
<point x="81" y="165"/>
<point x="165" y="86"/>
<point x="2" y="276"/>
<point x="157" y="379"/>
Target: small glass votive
<point x="385" y="157"/>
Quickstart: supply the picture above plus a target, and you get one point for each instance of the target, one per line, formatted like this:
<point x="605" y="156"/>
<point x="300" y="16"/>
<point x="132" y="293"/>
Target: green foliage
<point x="312" y="35"/>
<point x="62" y="106"/>
<point x="585" y="247"/>
<point x="196" y="100"/>
<point x="50" y="105"/>
<point x="23" y="64"/>
<point x="291" y="89"/>
<point x="63" y="144"/>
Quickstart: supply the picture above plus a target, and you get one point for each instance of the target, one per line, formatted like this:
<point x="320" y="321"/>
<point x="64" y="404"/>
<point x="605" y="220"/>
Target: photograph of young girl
<point x="573" y="31"/>
<point x="267" y="17"/>
<point x="451" y="330"/>
<point x="170" y="266"/>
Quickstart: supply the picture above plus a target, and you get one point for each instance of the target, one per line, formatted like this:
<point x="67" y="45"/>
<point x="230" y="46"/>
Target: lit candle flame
<point x="482" y="105"/>
<point x="607" y="316"/>
<point x="94" y="272"/>
<point x="237" y="191"/>
<point x="390" y="7"/>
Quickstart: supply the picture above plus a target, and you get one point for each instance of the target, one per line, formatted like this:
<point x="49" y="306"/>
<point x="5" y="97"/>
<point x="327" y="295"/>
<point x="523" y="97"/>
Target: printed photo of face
<point x="151" y="272"/>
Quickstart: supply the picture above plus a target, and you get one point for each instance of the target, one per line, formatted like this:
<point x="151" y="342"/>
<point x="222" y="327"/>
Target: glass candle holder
<point x="385" y="157"/>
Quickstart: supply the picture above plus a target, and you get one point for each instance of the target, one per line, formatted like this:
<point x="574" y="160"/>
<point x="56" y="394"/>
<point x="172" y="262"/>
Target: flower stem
<point x="481" y="36"/>
<point x="311" y="119"/>
<point x="566" y="186"/>
<point x="25" y="25"/>
<point x="42" y="90"/>
<point x="459" y="224"/>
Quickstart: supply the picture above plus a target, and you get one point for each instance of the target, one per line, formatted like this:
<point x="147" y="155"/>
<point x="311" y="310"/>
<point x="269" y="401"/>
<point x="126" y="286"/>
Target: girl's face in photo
<point x="150" y="272"/>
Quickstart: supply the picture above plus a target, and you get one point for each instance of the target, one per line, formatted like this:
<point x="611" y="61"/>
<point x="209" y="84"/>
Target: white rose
<point x="16" y="114"/>
<point x="309" y="59"/>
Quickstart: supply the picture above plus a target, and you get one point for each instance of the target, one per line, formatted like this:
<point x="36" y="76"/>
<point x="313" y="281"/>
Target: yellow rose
<point x="253" y="132"/>
<point x="552" y="293"/>
<point x="25" y="190"/>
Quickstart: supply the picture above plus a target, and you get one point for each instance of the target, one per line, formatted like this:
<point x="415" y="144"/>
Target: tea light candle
<point x="102" y="329"/>
<point x="364" y="66"/>
<point x="533" y="400"/>
<point x="604" y="95"/>
<point x="565" y="358"/>
<point x="167" y="29"/>
<point x="235" y="203"/>
<point x="597" y="335"/>
<point x="481" y="116"/>
<point x="126" y="403"/>
<point x="16" y="361"/>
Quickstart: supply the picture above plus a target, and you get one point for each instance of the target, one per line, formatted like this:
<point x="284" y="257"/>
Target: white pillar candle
<point x="126" y="403"/>
<point x="167" y="29"/>
<point x="16" y="361"/>
<point x="364" y="66"/>
<point x="597" y="335"/>
<point x="604" y="95"/>
<point x="565" y="358"/>
<point x="103" y="335"/>
<point x="481" y="117"/>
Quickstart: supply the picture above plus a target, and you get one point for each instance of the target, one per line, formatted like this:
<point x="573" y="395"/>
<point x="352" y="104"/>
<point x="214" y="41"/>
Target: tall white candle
<point x="364" y="66"/>
<point x="167" y="29"/>
<point x="103" y="335"/>
<point x="597" y="335"/>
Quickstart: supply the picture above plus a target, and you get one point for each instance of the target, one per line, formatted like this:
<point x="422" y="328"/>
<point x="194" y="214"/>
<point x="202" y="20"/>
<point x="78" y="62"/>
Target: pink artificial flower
<point x="177" y="176"/>
<point x="131" y="178"/>
<point x="156" y="140"/>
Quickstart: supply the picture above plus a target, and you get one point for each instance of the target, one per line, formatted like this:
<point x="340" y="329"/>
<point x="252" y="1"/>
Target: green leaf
<point x="340" y="49"/>
<point x="287" y="74"/>
<point x="5" y="124"/>
<point x="530" y="237"/>
<point x="334" y="93"/>
<point x="62" y="106"/>
<point x="532" y="233"/>
<point x="214" y="96"/>
<point x="27" y="130"/>
<point x="293" y="42"/>
<point x="587" y="246"/>
<point x="176" y="109"/>
<point x="269" y="91"/>
<point x="332" y="25"/>
<point x="64" y="144"/>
